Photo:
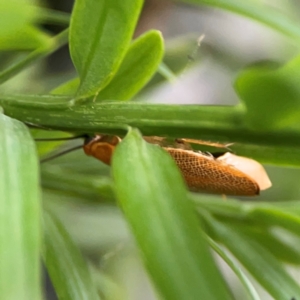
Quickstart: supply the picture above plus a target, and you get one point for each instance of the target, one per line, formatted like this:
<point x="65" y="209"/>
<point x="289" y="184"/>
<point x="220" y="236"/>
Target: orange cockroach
<point x="223" y="173"/>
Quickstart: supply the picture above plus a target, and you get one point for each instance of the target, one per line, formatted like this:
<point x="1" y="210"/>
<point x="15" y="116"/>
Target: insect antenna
<point x="60" y="153"/>
<point x="85" y="136"/>
<point x="62" y="139"/>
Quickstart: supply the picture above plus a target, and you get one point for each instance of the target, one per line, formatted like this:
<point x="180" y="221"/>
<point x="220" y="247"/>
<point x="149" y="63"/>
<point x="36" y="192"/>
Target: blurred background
<point x="207" y="48"/>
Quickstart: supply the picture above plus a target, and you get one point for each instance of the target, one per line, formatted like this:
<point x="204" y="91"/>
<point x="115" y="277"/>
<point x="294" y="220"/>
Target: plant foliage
<point x="175" y="231"/>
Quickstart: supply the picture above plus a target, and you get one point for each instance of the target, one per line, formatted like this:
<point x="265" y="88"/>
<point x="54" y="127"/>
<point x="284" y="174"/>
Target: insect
<point x="221" y="173"/>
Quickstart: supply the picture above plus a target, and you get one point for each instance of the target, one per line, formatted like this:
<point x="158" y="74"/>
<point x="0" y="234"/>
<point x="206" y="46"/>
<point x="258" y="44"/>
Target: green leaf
<point x="257" y="220"/>
<point x="256" y="11"/>
<point x="285" y="215"/>
<point x="217" y="206"/>
<point x="266" y="214"/>
<point x="256" y="259"/>
<point x="67" y="88"/>
<point x="138" y="66"/>
<point x="264" y="236"/>
<point x="41" y="52"/>
<point x="282" y="250"/>
<point x="67" y="269"/>
<point x="14" y="15"/>
<point x="17" y="30"/>
<point x="154" y="200"/>
<point x="20" y="274"/>
<point x="50" y="16"/>
<point x="292" y="207"/>
<point x="271" y="96"/>
<point x="100" y="34"/>
<point x="89" y="187"/>
<point x="27" y="38"/>
<point x="252" y="293"/>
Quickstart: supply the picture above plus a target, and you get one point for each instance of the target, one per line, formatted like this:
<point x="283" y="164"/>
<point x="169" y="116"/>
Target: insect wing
<point x="248" y="166"/>
<point x="204" y="173"/>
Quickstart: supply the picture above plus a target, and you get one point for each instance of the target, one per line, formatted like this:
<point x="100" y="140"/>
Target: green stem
<point x="166" y="72"/>
<point x="50" y="16"/>
<point x="213" y="123"/>
<point x="55" y="43"/>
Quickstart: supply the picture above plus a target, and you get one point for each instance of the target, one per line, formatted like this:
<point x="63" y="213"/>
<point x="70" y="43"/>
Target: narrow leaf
<point x="284" y="252"/>
<point x="100" y="33"/>
<point x="67" y="269"/>
<point x="19" y="213"/>
<point x="154" y="199"/>
<point x="26" y="38"/>
<point x="138" y="66"/>
<point x="258" y="221"/>
<point x="67" y="88"/>
<point x="87" y="186"/>
<point x="276" y="90"/>
<point x="140" y="63"/>
<point x="261" y="263"/>
<point x="251" y="292"/>
<point x="41" y="52"/>
<point x="267" y="214"/>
